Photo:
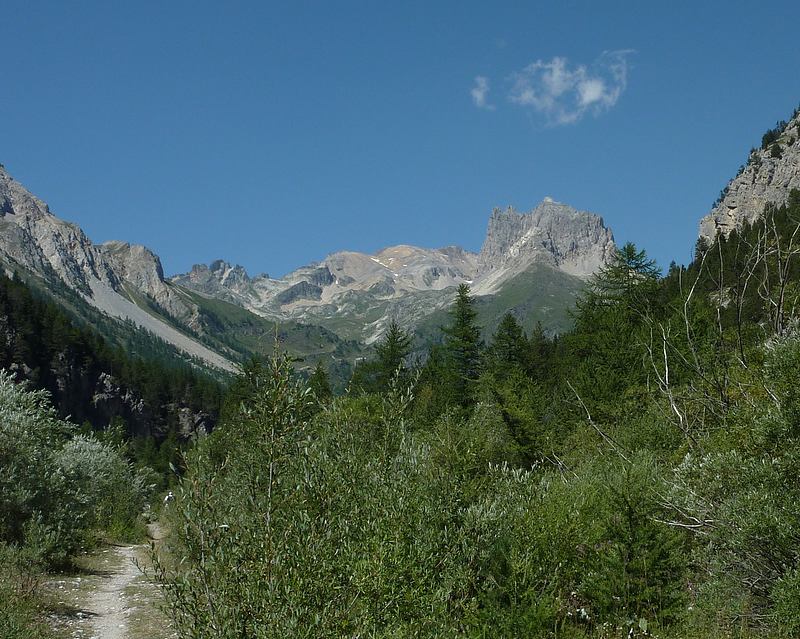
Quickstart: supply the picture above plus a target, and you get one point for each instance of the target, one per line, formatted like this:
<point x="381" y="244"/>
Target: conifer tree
<point x="509" y="349"/>
<point x="629" y="278"/>
<point x="392" y="352"/>
<point x="463" y="347"/>
<point x="319" y="383"/>
<point x="605" y="343"/>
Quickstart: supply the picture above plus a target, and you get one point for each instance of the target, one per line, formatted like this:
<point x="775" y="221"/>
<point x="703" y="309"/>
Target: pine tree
<point x="319" y="383"/>
<point x="463" y="347"/>
<point x="392" y="353"/>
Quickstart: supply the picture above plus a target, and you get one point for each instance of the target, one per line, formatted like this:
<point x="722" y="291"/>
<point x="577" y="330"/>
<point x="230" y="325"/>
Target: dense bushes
<point x="636" y="476"/>
<point x="361" y="523"/>
<point x="57" y="488"/>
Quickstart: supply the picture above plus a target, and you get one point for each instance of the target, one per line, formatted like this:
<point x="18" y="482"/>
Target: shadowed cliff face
<point x="768" y="177"/>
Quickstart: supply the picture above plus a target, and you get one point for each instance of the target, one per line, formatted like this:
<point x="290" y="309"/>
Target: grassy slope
<point x="540" y="294"/>
<point x="233" y="327"/>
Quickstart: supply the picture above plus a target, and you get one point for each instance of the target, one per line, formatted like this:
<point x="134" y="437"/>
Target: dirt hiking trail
<point x="110" y="598"/>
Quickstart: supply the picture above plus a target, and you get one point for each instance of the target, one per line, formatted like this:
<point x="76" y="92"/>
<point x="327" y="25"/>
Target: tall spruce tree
<point x="509" y="349"/>
<point x="392" y="351"/>
<point x="463" y="347"/>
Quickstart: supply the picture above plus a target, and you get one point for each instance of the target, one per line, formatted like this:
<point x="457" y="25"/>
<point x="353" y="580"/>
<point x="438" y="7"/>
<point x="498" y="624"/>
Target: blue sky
<point x="273" y="133"/>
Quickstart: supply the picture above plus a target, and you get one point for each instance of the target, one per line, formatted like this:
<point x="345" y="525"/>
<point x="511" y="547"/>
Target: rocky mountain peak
<point x="16" y="200"/>
<point x="576" y="242"/>
<point x="771" y="172"/>
<point x="218" y="279"/>
<point x="135" y="264"/>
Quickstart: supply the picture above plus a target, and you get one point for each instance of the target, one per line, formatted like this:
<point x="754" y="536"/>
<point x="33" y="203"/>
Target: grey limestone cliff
<point x="767" y="178"/>
<point x="118" y="278"/>
<point x="555" y="234"/>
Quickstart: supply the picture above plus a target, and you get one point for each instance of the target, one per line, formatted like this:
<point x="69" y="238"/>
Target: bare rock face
<point x="115" y="277"/>
<point x="138" y="267"/>
<point x="770" y="174"/>
<point x="34" y="238"/>
<point x="576" y="242"/>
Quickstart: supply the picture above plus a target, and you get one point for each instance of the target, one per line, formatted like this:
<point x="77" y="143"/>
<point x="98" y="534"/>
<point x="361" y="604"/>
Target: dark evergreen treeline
<point x="636" y="476"/>
<point x="150" y="395"/>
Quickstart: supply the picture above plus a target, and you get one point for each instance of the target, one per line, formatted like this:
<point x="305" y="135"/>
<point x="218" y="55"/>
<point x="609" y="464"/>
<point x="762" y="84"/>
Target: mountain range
<point x="533" y="263"/>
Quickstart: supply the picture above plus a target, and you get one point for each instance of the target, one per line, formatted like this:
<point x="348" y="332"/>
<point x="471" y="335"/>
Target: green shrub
<point x="20" y="604"/>
<point x="56" y="487"/>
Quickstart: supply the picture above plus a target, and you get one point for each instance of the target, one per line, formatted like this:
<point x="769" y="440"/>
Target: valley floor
<point x="109" y="597"/>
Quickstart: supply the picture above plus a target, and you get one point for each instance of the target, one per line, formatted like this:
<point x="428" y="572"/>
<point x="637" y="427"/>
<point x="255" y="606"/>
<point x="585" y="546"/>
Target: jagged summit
<point x="771" y="172"/>
<point x="576" y="242"/>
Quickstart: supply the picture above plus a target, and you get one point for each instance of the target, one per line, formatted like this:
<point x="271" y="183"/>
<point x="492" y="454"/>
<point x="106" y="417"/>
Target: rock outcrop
<point x="576" y="242"/>
<point x="770" y="174"/>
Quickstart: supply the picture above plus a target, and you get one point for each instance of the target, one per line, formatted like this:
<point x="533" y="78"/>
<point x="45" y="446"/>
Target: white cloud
<point x="563" y="94"/>
<point x="480" y="93"/>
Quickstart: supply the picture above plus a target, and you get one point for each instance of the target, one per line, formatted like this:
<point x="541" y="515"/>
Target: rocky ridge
<point x="114" y="277"/>
<point x="407" y="282"/>
<point x="770" y="174"/>
<point x="350" y="293"/>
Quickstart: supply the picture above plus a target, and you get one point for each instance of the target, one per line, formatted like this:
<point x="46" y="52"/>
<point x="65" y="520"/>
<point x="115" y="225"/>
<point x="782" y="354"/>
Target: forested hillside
<point x="636" y="476"/>
<point x="139" y="385"/>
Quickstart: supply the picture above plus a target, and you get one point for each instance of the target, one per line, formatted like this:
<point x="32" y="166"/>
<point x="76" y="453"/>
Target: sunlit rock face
<point x="767" y="178"/>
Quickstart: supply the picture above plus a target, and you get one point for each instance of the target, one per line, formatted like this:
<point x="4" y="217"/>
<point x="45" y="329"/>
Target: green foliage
<point x="393" y="351"/>
<point x="20" y="600"/>
<point x="772" y="135"/>
<point x="56" y="487"/>
<point x="390" y="362"/>
<point x="462" y="348"/>
<point x="320" y="385"/>
<point x="509" y="349"/>
<point x="636" y="476"/>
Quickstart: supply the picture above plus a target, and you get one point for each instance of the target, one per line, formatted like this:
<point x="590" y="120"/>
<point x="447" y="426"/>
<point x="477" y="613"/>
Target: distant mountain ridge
<point x="348" y="294"/>
<point x="384" y="285"/>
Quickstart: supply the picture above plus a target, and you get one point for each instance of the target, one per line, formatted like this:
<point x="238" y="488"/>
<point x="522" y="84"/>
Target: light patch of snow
<point x="377" y="261"/>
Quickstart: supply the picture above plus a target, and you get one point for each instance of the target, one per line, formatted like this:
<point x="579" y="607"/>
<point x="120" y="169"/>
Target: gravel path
<point x="108" y="603"/>
<point x="110" y="598"/>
